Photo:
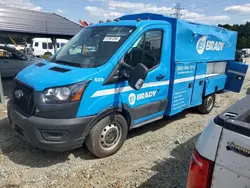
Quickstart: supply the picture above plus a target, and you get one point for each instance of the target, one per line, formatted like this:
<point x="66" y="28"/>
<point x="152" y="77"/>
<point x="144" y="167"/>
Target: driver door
<point x="150" y="101"/>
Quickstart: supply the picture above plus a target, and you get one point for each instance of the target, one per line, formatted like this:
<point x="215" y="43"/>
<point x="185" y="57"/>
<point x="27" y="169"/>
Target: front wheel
<point x="107" y="136"/>
<point x="207" y="104"/>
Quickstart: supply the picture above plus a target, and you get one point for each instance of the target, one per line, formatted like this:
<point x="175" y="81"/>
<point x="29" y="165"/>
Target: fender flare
<point x="124" y="110"/>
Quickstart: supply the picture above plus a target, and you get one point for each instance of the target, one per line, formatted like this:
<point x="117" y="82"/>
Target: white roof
<point x="48" y="40"/>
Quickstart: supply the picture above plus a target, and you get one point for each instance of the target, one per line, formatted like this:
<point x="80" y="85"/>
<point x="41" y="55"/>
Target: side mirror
<point x="138" y="76"/>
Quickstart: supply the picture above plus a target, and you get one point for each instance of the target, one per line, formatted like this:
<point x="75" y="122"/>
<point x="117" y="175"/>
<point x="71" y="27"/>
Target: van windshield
<point x="93" y="46"/>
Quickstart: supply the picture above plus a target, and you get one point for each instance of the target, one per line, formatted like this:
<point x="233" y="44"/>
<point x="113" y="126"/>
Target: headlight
<point x="64" y="94"/>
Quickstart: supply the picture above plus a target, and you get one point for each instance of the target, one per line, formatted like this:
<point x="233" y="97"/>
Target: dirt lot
<point x="156" y="155"/>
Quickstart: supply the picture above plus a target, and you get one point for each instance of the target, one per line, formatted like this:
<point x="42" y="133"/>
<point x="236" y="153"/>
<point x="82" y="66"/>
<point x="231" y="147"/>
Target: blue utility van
<point x="115" y="76"/>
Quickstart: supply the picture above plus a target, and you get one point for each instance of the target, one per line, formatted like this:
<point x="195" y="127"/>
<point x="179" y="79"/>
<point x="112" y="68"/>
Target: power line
<point x="177" y="9"/>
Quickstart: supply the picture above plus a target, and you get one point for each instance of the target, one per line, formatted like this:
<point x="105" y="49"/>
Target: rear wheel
<point x="207" y="104"/>
<point x="107" y="136"/>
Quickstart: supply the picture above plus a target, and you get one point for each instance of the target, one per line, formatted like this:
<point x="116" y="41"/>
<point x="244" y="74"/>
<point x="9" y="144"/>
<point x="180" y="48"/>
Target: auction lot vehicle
<point x="221" y="155"/>
<point x="44" y="46"/>
<point x="246" y="52"/>
<point x="13" y="61"/>
<point x="137" y="71"/>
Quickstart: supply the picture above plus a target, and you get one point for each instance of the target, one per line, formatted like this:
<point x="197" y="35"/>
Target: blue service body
<point x="188" y="36"/>
<point x="179" y="81"/>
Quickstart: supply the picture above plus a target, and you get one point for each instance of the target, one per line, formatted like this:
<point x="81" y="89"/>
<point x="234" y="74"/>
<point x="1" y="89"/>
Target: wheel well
<point x="108" y="112"/>
<point x="216" y="89"/>
<point x="127" y="117"/>
<point x="47" y="53"/>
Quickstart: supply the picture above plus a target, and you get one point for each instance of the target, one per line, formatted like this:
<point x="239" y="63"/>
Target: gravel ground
<point x="156" y="155"/>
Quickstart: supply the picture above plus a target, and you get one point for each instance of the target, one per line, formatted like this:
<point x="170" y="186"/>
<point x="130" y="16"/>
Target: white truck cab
<point x="221" y="157"/>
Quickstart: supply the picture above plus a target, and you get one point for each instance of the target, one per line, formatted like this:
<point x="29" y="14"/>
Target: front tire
<point x="207" y="104"/>
<point x="107" y="136"/>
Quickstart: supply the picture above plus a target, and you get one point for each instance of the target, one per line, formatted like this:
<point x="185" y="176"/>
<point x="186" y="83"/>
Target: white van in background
<point x="43" y="46"/>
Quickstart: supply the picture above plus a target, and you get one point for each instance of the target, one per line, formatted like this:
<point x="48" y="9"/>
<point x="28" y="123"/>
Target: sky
<point x="203" y="11"/>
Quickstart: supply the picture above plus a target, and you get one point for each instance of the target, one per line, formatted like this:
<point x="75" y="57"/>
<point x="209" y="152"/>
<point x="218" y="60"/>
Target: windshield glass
<point x="93" y="46"/>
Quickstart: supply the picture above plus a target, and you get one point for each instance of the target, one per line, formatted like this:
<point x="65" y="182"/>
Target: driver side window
<point x="146" y="50"/>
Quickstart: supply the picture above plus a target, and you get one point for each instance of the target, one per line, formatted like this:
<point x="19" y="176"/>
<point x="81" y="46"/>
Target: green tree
<point x="243" y="31"/>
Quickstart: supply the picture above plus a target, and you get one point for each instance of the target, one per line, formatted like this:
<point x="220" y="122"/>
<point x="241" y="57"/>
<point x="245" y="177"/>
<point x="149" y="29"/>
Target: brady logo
<point x="208" y="45"/>
<point x="146" y="95"/>
<point x="132" y="98"/>
<point x="18" y="94"/>
<point x="201" y="44"/>
<point x="215" y="45"/>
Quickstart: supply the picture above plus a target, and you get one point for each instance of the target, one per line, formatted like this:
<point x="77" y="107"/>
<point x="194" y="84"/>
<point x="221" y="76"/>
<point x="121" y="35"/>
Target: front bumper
<point x="49" y="134"/>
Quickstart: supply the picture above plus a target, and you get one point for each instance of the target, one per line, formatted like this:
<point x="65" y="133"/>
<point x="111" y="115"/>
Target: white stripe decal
<point x="146" y="85"/>
<point x="200" y="76"/>
<point x="153" y="84"/>
<point x="127" y="88"/>
<point x="209" y="75"/>
<point x="180" y="80"/>
<point x="236" y="72"/>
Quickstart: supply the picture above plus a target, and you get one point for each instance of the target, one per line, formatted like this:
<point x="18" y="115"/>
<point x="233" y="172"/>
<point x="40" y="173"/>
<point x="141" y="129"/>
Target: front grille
<point x="23" y="98"/>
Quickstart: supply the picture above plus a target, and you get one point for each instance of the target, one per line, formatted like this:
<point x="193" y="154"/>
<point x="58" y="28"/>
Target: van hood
<point x="45" y="75"/>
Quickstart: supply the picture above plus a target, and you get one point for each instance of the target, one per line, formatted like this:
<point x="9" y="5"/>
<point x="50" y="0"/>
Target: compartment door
<point x="183" y="87"/>
<point x="236" y="73"/>
<point x="199" y="83"/>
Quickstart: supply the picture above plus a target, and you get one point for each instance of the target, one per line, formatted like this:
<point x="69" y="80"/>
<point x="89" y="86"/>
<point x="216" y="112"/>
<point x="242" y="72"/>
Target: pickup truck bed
<point x="232" y="161"/>
<point x="222" y="152"/>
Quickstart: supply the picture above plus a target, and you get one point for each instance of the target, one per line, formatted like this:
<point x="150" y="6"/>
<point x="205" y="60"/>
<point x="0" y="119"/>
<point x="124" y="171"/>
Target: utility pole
<point x="177" y="9"/>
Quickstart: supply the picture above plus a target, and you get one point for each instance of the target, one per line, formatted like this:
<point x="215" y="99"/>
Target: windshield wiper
<point x="67" y="63"/>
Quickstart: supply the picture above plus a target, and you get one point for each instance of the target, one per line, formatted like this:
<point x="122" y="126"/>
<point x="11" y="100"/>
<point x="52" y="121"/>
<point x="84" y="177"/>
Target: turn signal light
<point x="78" y="95"/>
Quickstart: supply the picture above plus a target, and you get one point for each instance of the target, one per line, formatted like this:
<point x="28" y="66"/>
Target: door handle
<point x="239" y="78"/>
<point x="190" y="85"/>
<point x="160" y="77"/>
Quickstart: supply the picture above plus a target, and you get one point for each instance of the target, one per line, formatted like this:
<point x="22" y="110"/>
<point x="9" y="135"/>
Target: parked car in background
<point x="222" y="151"/>
<point x="44" y="47"/>
<point x="245" y="52"/>
<point x="239" y="55"/>
<point x="13" y="61"/>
